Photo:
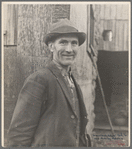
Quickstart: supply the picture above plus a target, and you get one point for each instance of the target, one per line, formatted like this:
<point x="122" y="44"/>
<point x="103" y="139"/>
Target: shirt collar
<point x="64" y="72"/>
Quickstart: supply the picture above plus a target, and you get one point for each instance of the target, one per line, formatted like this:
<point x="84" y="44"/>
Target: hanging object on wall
<point x="107" y="35"/>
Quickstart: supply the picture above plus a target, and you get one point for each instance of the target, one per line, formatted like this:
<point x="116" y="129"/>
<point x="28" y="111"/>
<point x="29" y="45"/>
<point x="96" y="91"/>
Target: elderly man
<point x="50" y="110"/>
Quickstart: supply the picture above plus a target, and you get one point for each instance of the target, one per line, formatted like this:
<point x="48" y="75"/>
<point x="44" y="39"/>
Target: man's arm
<point x="27" y="113"/>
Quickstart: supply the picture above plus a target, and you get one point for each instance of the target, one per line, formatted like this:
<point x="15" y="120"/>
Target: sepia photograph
<point x="65" y="74"/>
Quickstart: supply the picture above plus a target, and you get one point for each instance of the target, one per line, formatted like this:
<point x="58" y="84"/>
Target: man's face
<point x="65" y="49"/>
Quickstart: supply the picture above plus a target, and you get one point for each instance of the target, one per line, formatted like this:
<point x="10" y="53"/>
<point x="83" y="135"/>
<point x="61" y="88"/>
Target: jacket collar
<point x="57" y="73"/>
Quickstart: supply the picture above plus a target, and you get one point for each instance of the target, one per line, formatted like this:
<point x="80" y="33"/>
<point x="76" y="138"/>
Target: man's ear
<point x="50" y="46"/>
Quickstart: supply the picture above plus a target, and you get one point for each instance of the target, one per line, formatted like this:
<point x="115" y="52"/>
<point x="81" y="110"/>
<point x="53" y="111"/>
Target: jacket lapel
<point x="83" y="112"/>
<point x="56" y="72"/>
<point x="80" y="98"/>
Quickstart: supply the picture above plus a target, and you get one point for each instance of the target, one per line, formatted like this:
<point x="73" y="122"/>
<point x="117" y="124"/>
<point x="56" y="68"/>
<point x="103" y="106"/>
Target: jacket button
<point x="72" y="116"/>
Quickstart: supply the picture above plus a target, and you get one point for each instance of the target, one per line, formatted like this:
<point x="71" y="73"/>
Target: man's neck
<point x="66" y="68"/>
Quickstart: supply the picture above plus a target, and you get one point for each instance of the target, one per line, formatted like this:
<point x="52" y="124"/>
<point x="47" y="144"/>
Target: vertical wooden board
<point x="15" y="23"/>
<point x="9" y="32"/>
<point x="11" y="42"/>
<point x="109" y="24"/>
<point x="102" y="11"/>
<point x="112" y="11"/>
<point x="4" y="23"/>
<point x="105" y="25"/>
<point x="121" y="36"/>
<point x="124" y="32"/>
<point x="119" y="11"/>
<point x="107" y="12"/>
<point x="4" y="16"/>
<point x="10" y="26"/>
<point x="125" y="11"/>
<point x="126" y="36"/>
<point x="114" y="34"/>
<point x="101" y="41"/>
<point x="101" y="27"/>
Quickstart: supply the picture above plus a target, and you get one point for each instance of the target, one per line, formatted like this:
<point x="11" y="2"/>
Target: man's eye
<point x="64" y="42"/>
<point x="74" y="43"/>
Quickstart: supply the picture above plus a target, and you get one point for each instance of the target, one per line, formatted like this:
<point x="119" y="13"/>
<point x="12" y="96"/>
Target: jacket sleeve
<point x="27" y="113"/>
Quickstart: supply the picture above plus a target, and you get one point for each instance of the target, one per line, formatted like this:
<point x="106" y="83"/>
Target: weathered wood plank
<point x="120" y="35"/>
<point x="125" y="35"/>
<point x="113" y="11"/>
<point x="102" y="9"/>
<point x="119" y="12"/>
<point x="10" y="24"/>
<point x="15" y="23"/>
<point x="125" y="11"/>
<point x="114" y="34"/>
<point x="107" y="12"/>
<point x="100" y="39"/>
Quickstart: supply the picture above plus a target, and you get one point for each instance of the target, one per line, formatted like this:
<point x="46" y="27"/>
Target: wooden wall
<point x="113" y="17"/>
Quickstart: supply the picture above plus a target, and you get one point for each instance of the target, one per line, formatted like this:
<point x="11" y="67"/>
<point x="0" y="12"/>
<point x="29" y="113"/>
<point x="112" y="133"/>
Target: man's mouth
<point x="68" y="55"/>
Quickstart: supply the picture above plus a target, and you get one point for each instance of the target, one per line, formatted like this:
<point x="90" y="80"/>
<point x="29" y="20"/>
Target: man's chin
<point x="67" y="63"/>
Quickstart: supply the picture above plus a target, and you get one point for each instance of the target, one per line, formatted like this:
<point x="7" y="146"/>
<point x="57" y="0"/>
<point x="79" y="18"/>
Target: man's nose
<point x="69" y="48"/>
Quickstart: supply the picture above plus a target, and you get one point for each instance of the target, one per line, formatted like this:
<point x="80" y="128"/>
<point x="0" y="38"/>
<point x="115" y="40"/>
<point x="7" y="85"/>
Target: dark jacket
<point x="44" y="115"/>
